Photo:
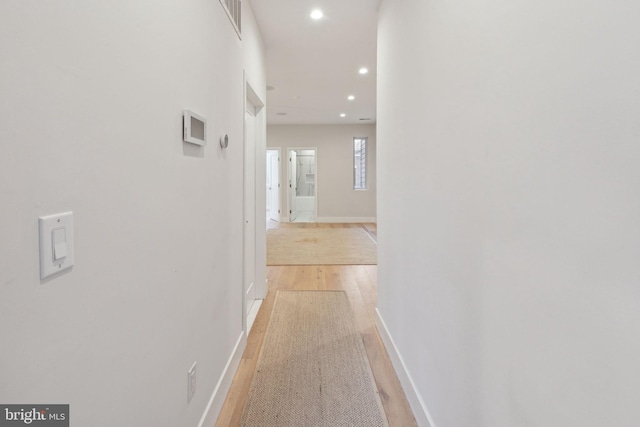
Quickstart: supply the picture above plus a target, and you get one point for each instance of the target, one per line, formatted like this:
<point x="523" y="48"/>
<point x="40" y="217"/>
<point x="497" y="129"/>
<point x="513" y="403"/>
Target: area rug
<point x="320" y="246"/>
<point x="312" y="369"/>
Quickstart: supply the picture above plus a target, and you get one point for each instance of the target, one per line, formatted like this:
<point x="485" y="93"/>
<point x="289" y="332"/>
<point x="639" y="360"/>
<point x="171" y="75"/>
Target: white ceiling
<point x="313" y="65"/>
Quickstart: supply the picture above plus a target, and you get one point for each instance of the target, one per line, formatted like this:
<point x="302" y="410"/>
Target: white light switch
<point x="56" y="243"/>
<point x="59" y="237"/>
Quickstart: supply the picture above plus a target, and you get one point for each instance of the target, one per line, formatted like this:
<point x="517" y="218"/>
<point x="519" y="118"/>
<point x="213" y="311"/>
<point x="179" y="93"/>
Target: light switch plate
<point x="60" y="226"/>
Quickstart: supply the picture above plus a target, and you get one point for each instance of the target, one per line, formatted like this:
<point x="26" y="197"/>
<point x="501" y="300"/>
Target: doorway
<point x="273" y="185"/>
<point x="249" y="209"/>
<point x="254" y="255"/>
<point x="302" y="178"/>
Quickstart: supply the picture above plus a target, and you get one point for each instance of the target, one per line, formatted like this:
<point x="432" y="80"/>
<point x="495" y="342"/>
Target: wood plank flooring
<point x="360" y="283"/>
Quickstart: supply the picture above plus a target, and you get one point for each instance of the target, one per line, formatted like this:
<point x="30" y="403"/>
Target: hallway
<point x="359" y="282"/>
<point x="506" y="193"/>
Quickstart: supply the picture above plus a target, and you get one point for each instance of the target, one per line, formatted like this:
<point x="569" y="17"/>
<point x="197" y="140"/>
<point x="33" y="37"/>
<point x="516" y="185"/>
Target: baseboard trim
<point x="219" y="395"/>
<point x="346" y="219"/>
<point x="420" y="411"/>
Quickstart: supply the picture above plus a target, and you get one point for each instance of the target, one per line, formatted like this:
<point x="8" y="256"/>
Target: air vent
<point x="234" y="12"/>
<point x="365" y="119"/>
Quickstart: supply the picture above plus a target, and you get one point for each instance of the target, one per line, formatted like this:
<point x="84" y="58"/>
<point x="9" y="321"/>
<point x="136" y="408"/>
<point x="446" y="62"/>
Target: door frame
<point x="259" y="197"/>
<point x="315" y="187"/>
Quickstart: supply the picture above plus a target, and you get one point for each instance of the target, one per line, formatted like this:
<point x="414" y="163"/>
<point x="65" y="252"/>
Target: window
<point x="359" y="163"/>
<point x="234" y="11"/>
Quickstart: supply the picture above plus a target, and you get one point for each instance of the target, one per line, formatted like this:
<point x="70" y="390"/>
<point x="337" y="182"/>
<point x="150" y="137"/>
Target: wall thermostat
<point x="194" y="128"/>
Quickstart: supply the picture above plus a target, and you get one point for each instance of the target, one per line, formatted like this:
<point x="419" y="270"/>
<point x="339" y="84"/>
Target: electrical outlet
<point x="191" y="390"/>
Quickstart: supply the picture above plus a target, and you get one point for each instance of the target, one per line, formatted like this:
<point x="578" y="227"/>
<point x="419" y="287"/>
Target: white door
<point x="273" y="184"/>
<point x="292" y="185"/>
<point x="249" y="208"/>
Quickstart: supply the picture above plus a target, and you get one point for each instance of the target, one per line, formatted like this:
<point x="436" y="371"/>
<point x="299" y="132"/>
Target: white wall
<point x="91" y="100"/>
<point x="253" y="52"/>
<point x="337" y="200"/>
<point x="508" y="209"/>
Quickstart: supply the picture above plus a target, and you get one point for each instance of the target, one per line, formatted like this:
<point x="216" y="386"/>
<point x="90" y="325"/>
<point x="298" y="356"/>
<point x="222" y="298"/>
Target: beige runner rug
<point x="312" y="369"/>
<point x="320" y="246"/>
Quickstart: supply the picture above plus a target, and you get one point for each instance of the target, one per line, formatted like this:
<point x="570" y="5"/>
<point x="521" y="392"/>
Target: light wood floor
<point x="360" y="283"/>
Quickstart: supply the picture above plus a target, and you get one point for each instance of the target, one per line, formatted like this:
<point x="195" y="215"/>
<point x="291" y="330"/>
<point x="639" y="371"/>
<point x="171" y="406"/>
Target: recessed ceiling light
<point x="281" y="114"/>
<point x="363" y="70"/>
<point x="317" y="14"/>
<point x="351" y="97"/>
<point x="343" y="115"/>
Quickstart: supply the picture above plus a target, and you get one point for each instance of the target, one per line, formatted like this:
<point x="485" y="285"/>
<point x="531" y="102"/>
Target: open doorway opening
<point x="302" y="180"/>
<point x="253" y="281"/>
